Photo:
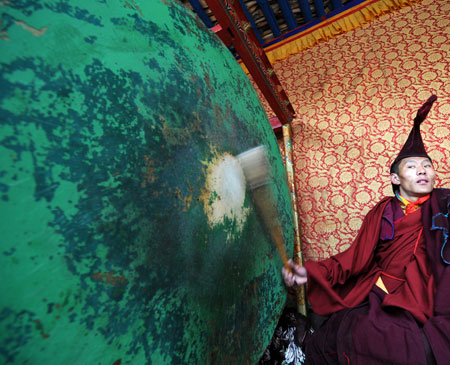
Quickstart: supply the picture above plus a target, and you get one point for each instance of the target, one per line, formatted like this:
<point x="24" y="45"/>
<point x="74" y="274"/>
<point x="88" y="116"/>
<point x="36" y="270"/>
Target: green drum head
<point x="129" y="236"/>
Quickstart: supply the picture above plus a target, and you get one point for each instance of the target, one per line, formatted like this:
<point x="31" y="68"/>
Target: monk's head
<point x="413" y="176"/>
<point x="412" y="171"/>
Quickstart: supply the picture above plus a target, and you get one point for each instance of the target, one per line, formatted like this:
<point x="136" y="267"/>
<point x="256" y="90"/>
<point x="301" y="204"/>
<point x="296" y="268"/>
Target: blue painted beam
<point x="252" y="21"/>
<point x="288" y="15"/>
<point x="201" y="13"/>
<point x="268" y="13"/>
<point x="336" y="4"/>
<point x="320" y="10"/>
<point x="313" y="22"/>
<point x="306" y="10"/>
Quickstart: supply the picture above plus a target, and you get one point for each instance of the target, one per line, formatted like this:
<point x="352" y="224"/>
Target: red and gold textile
<point x="355" y="98"/>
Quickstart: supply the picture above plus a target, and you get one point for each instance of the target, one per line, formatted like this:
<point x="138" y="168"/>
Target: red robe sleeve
<point x="436" y="230"/>
<point x="344" y="280"/>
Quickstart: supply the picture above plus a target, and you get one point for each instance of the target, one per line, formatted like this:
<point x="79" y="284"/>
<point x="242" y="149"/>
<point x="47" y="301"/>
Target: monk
<point x="387" y="298"/>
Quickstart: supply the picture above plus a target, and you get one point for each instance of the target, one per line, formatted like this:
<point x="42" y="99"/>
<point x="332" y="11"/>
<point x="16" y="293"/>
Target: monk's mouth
<point x="422" y="182"/>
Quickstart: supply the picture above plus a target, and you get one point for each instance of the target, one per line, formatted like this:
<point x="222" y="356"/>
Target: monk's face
<point x="416" y="177"/>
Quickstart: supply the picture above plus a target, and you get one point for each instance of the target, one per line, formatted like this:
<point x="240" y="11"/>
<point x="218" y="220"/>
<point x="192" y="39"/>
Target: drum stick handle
<point x="256" y="171"/>
<point x="268" y="213"/>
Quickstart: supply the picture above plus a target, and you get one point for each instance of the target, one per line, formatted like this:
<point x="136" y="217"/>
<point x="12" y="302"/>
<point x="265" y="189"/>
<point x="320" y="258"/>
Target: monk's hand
<point x="295" y="276"/>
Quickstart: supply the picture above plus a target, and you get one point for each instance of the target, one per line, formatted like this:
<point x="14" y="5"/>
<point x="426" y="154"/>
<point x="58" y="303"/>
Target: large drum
<point x="128" y="237"/>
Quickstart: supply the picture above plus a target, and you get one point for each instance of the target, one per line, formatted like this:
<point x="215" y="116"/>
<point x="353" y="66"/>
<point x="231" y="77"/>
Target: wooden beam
<point x="252" y="21"/>
<point x="198" y="8"/>
<point x="318" y="4"/>
<point x="306" y="10"/>
<point x="270" y="16"/>
<point x="287" y="13"/>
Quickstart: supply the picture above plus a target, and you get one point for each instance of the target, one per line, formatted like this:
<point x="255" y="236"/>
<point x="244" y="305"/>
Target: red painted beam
<point x="233" y="21"/>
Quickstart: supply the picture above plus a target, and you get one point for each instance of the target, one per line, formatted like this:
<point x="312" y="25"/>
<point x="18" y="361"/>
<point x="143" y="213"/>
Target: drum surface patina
<point x="127" y="235"/>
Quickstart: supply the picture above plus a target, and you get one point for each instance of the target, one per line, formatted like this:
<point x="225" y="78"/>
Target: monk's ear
<point x="395" y="179"/>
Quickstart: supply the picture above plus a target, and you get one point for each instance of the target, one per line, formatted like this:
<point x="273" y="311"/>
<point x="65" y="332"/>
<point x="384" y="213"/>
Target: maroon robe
<point x="370" y="326"/>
